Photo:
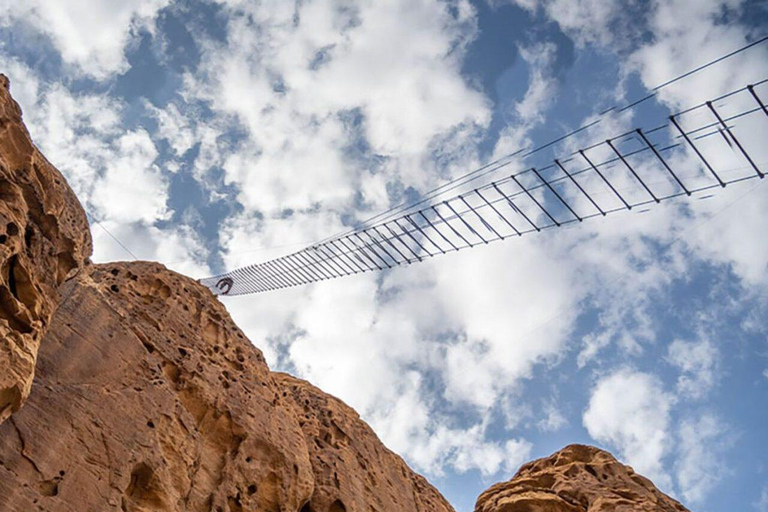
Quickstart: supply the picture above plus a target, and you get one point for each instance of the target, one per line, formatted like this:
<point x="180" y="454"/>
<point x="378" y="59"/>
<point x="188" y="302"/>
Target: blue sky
<point x="213" y="134"/>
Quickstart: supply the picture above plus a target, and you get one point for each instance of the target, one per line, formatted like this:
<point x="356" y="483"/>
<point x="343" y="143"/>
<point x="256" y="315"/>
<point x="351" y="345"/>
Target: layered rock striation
<point x="578" y="478"/>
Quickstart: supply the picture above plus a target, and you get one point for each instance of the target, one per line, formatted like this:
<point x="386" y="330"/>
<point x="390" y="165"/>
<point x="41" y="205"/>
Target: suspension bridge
<point x="691" y="153"/>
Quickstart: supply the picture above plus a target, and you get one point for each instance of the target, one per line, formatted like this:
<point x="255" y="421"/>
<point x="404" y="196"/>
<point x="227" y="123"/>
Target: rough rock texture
<point x="576" y="479"/>
<point x="349" y="462"/>
<point x="148" y="397"/>
<point x="44" y="239"/>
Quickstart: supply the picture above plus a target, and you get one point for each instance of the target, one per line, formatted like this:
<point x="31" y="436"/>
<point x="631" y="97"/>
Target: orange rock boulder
<point x="576" y="479"/>
<point x="349" y="462"/>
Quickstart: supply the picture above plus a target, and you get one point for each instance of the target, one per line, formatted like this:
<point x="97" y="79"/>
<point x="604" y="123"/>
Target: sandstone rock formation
<point x="146" y="396"/>
<point x="576" y="479"/>
<point x="348" y="460"/>
<point x="44" y="239"/>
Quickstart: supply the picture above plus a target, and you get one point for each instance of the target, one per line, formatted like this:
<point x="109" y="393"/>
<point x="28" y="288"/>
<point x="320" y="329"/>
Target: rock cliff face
<point x="127" y="387"/>
<point x="144" y="394"/>
<point x="44" y="239"/>
<point x="148" y="397"/>
<point x="576" y="479"/>
<point x="349" y="461"/>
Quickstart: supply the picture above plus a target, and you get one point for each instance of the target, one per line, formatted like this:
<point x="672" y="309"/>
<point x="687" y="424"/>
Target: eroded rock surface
<point x="353" y="471"/>
<point x="576" y="479"/>
<point x="44" y="239"/>
<point x="148" y="397"/>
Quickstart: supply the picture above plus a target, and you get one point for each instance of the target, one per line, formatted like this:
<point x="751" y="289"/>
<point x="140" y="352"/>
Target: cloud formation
<point x="630" y="410"/>
<point x="90" y="37"/>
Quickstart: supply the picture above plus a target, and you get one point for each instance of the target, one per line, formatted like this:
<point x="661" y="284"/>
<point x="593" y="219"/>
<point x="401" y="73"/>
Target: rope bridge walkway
<point x="695" y="152"/>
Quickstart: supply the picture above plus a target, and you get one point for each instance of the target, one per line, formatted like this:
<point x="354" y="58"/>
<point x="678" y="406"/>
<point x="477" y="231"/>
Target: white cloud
<point x="762" y="505"/>
<point x="679" y="47"/>
<point x="541" y="86"/>
<point x="697" y="363"/>
<point x="132" y="188"/>
<point x="631" y="411"/>
<point x="531" y="110"/>
<point x="519" y="315"/>
<point x="296" y="87"/>
<point x="175" y="127"/>
<point x="700" y="465"/>
<point x="90" y="36"/>
<point x="25" y="85"/>
<point x="554" y="420"/>
<point x="589" y="21"/>
<point x="176" y="247"/>
<point x="434" y="447"/>
<point x="727" y="237"/>
<point x="111" y="169"/>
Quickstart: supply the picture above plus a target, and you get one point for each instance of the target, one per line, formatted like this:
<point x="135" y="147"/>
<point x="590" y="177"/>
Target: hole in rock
<point x="337" y="506"/>
<point x="49" y="488"/>
<point x="143" y="491"/>
<point x="12" y="276"/>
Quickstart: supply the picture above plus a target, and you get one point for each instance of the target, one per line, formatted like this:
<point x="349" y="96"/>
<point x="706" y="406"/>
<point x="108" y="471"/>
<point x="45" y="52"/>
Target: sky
<point x="213" y="134"/>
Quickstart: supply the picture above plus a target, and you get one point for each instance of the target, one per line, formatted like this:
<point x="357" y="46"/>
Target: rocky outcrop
<point x="146" y="396"/>
<point x="576" y="479"/>
<point x="44" y="239"/>
<point x="348" y="460"/>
